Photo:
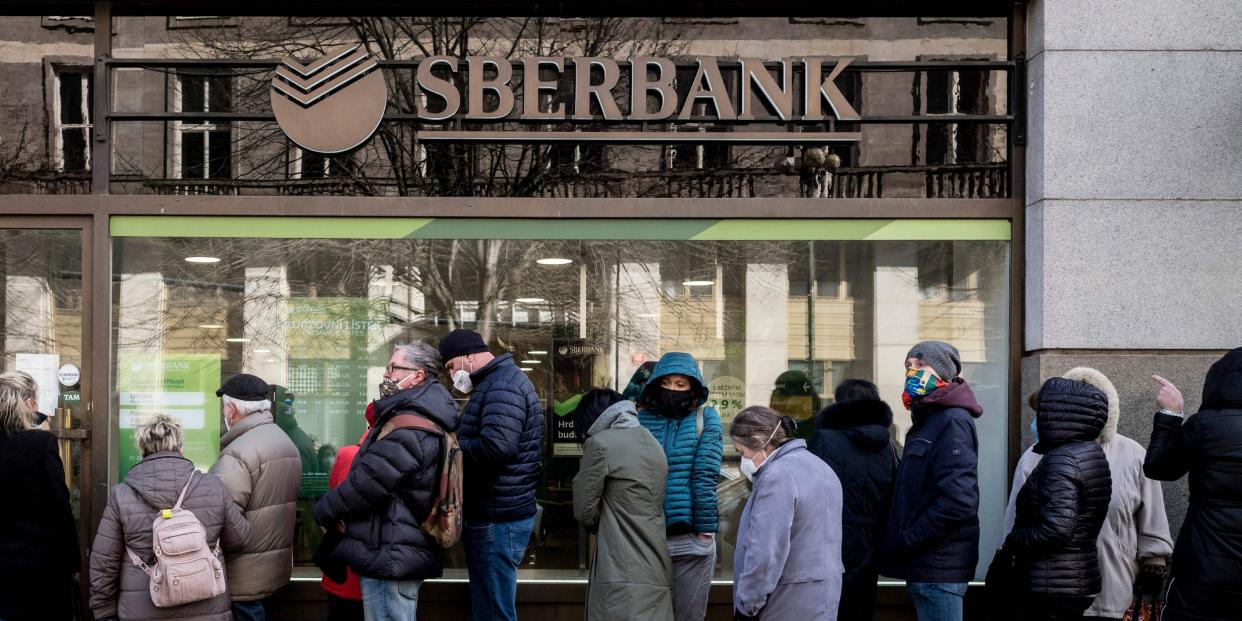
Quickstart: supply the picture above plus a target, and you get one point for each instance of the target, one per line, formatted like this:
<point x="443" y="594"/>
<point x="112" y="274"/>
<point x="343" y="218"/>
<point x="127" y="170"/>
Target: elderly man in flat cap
<point x="262" y="470"/>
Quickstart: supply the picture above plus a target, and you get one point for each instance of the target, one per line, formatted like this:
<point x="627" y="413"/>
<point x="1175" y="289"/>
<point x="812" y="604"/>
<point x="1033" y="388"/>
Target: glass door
<point x="44" y="309"/>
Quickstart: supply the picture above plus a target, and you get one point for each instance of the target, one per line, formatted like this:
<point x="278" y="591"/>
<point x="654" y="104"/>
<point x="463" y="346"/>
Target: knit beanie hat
<point x="940" y="356"/>
<point x="461" y="342"/>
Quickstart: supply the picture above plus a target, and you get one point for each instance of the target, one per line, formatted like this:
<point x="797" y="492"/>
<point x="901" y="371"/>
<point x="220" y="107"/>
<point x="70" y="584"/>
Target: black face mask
<point x="672" y="400"/>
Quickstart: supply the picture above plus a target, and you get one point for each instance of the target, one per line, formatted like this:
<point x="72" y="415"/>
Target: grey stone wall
<point x="1134" y="197"/>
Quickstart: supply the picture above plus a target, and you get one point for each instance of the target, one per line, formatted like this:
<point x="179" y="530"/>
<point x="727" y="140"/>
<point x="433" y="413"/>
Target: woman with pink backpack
<point x="189" y="515"/>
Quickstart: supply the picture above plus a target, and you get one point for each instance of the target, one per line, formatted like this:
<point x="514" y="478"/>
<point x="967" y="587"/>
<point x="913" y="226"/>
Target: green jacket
<point x="619" y="495"/>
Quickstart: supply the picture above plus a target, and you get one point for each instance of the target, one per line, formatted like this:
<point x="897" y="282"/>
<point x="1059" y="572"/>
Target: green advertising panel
<point x="329" y="340"/>
<point x="180" y="385"/>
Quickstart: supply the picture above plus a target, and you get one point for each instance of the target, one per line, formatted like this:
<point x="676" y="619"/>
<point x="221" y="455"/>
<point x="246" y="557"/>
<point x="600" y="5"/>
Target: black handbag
<point x="336" y="570"/>
<point x="1001" y="585"/>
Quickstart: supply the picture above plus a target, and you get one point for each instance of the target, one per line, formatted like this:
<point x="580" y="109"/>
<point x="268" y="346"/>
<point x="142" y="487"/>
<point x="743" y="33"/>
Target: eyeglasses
<point x="392" y="367"/>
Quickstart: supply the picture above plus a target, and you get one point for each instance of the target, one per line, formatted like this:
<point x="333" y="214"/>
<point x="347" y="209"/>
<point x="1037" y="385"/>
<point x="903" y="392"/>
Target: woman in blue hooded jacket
<point x="671" y="408"/>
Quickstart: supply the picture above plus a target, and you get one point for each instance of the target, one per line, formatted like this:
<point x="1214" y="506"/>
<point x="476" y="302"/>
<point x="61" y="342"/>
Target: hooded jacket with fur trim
<point x="1062" y="506"/>
<point x="853" y="438"/>
<point x="1137" y="527"/>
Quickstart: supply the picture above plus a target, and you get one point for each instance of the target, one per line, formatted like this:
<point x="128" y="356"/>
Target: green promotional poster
<point x="330" y="341"/>
<point x="180" y="385"/>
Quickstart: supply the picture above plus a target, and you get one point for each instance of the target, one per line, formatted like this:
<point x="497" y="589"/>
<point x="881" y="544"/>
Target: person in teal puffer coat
<point x="672" y="408"/>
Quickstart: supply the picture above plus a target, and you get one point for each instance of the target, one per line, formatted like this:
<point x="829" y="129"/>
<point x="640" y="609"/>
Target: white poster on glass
<point x="43" y="368"/>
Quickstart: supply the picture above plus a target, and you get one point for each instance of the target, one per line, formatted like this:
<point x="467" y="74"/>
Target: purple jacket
<point x="787" y="564"/>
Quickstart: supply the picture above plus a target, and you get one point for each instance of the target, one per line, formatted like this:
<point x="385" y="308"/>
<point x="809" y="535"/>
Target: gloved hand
<point x="1150" y="580"/>
<point x="738" y="616"/>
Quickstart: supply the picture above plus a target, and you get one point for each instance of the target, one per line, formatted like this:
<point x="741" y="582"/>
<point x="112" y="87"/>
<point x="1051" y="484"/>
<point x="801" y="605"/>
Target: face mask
<point x="749" y="469"/>
<point x="673" y="400"/>
<point x="748" y="466"/>
<point x="920" y="383"/>
<point x="462" y="382"/>
<point x="389" y="387"/>
<point x="1035" y="430"/>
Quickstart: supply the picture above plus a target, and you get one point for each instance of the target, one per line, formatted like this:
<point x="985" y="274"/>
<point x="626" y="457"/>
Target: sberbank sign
<point x="596" y="80"/>
<point x="335" y="103"/>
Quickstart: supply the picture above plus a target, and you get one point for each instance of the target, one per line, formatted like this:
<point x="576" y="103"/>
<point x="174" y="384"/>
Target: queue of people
<point x="1085" y="525"/>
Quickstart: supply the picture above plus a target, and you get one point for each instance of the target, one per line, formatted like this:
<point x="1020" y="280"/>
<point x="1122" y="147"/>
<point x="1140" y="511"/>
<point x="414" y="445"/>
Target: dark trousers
<point x="858" y="593"/>
<point x="1043" y="608"/>
<point x="341" y="609"/>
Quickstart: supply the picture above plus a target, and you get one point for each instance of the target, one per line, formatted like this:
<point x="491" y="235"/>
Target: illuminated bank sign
<point x="335" y="103"/>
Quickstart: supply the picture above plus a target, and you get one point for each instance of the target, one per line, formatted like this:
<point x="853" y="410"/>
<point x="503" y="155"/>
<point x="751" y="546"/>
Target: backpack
<point x="185" y="570"/>
<point x="444" y="523"/>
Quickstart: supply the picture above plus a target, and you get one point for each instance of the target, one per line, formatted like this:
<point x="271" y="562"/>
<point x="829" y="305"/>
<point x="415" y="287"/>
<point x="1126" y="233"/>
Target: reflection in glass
<point x="770" y="322"/>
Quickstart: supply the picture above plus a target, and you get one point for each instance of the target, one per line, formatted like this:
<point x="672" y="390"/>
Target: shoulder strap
<point x="177" y="507"/>
<point x="410" y="421"/>
<point x="698" y="422"/>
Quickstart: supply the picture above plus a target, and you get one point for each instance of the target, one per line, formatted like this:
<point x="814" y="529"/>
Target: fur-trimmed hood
<point x="1100" y="381"/>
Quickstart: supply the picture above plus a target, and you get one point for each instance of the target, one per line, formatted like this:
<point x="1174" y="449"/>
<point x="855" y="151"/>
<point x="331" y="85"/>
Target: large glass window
<point x="775" y="312"/>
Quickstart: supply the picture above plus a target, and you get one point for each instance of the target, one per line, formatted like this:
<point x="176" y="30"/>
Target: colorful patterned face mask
<point x="920" y="383"/>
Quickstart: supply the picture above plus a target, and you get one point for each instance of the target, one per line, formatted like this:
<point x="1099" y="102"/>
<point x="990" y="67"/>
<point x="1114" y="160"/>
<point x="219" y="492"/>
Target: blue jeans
<point x="389" y="600"/>
<point x="493" y="552"/>
<point x="249" y="611"/>
<point x="937" y="601"/>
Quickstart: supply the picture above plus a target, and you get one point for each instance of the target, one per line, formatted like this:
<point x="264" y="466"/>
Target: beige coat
<point x="262" y="470"/>
<point x="1136" y="528"/>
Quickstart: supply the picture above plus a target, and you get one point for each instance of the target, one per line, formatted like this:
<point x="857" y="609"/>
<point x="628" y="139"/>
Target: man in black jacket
<point x="392" y="488"/>
<point x="932" y="539"/>
<point x="501" y="437"/>
<point x="1207" y="558"/>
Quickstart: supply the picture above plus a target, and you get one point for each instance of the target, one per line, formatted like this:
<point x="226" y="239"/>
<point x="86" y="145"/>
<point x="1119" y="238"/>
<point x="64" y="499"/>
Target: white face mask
<point x="461" y="381"/>
<point x="748" y="466"/>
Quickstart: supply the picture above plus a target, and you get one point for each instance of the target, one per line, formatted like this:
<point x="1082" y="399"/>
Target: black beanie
<point x="461" y="342"/>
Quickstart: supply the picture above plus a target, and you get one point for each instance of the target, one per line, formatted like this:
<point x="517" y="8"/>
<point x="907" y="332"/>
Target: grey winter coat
<point x="787" y="564"/>
<point x="262" y="469"/>
<point x="619" y="494"/>
<point x="118" y="588"/>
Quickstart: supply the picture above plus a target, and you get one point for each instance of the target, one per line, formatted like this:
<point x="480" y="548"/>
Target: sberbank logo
<point x="332" y="104"/>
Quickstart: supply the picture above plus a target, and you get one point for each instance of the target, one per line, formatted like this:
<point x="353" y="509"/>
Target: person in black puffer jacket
<point x="1207" y="558"/>
<point x="392" y="487"/>
<point x="1062" y="506"/>
<point x="852" y="436"/>
<point x="501" y="438"/>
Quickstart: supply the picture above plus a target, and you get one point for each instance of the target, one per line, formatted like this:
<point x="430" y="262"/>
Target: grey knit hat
<point x="940" y="356"/>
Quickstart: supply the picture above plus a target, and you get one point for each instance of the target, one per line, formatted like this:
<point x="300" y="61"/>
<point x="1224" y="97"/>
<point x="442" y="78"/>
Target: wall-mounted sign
<point x="334" y="104"/>
<point x="330" y="105"/>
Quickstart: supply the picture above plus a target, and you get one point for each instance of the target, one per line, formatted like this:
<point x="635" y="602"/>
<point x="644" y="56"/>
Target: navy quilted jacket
<point x="933" y="525"/>
<point x="693" y="459"/>
<point x="501" y="438"/>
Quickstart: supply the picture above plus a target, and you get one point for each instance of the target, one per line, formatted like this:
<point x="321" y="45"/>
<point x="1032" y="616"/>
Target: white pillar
<point x="264" y="312"/>
<point x="896" y="323"/>
<point x="28" y="310"/>
<point x="638" y="316"/>
<point x="767" y="329"/>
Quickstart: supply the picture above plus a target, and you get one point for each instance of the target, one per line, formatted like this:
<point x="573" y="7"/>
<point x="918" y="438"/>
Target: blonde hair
<point x="30" y="389"/>
<point x="15" y="413"/>
<point x="160" y="433"/>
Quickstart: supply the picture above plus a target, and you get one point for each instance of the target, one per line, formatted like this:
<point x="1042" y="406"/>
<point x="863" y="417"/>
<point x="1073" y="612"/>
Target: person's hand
<point x="1169" y="397"/>
<point x="340" y="527"/>
<point x="704" y="537"/>
<point x="1151" y="578"/>
<point x="738" y="616"/>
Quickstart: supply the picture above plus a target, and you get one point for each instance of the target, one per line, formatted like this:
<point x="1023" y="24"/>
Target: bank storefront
<point x="792" y="200"/>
